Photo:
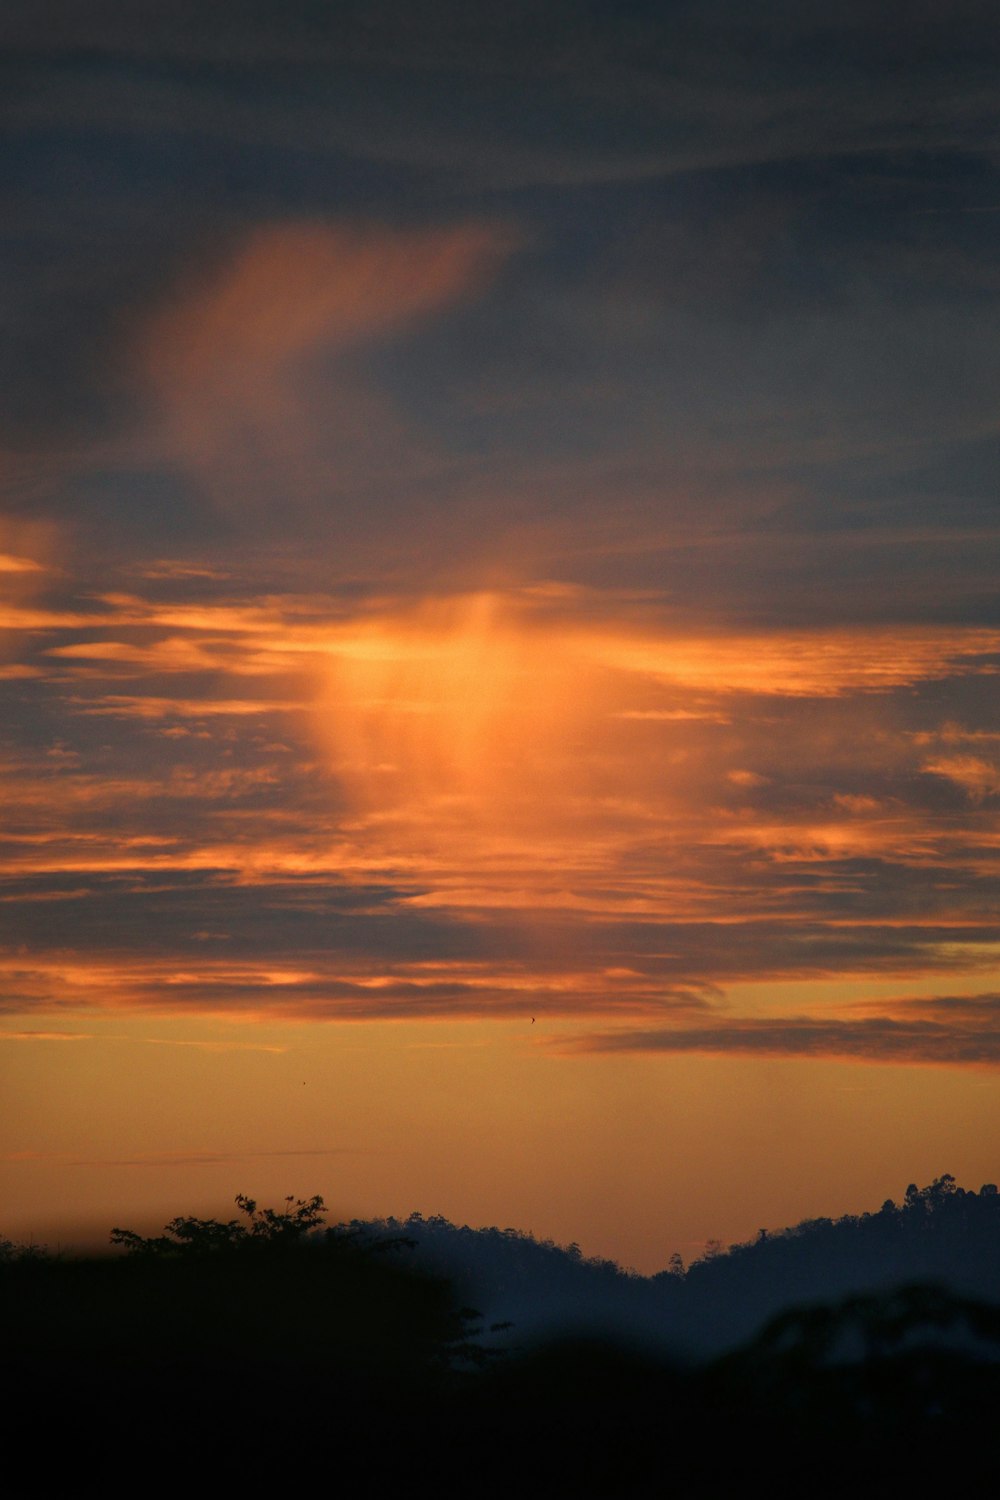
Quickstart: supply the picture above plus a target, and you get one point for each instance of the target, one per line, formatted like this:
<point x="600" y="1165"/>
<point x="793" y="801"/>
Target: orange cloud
<point x="332" y="986"/>
<point x="27" y="549"/>
<point x="808" y="663"/>
<point x="460" y="699"/>
<point x="979" y="778"/>
<point x="142" y="706"/>
<point x="227" y="361"/>
<point x="497" y="736"/>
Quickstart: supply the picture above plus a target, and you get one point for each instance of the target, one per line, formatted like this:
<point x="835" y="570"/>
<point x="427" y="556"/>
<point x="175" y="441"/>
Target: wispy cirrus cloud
<point x="150" y="1041"/>
<point x="173" y="1159"/>
<point x="231" y="364"/>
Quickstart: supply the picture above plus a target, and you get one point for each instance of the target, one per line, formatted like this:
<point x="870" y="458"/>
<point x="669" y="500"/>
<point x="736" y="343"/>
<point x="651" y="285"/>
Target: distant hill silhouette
<point x="940" y="1234"/>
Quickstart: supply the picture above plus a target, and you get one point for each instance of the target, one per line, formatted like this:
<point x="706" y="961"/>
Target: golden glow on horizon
<point x="139" y="1119"/>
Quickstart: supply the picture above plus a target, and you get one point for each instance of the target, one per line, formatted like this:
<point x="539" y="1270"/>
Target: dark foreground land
<point x="236" y="1356"/>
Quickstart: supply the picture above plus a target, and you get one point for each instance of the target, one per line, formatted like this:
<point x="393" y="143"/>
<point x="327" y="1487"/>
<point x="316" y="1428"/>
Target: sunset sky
<point x="499" y="625"/>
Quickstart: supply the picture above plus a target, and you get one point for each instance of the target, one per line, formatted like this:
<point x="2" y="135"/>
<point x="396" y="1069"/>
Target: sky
<point x="499" y="628"/>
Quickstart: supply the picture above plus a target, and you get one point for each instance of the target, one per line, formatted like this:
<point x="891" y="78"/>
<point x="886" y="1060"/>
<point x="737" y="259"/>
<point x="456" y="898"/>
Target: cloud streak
<point x="963" y="1032"/>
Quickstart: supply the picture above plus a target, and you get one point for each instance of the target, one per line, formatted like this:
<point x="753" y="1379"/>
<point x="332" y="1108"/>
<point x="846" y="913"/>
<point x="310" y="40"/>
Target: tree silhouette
<point x="265" y="1226"/>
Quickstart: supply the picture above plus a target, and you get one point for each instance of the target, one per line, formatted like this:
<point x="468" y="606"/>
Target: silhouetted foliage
<point x="9" y="1251"/>
<point x="265" y="1226"/>
<point x="264" y="1338"/>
